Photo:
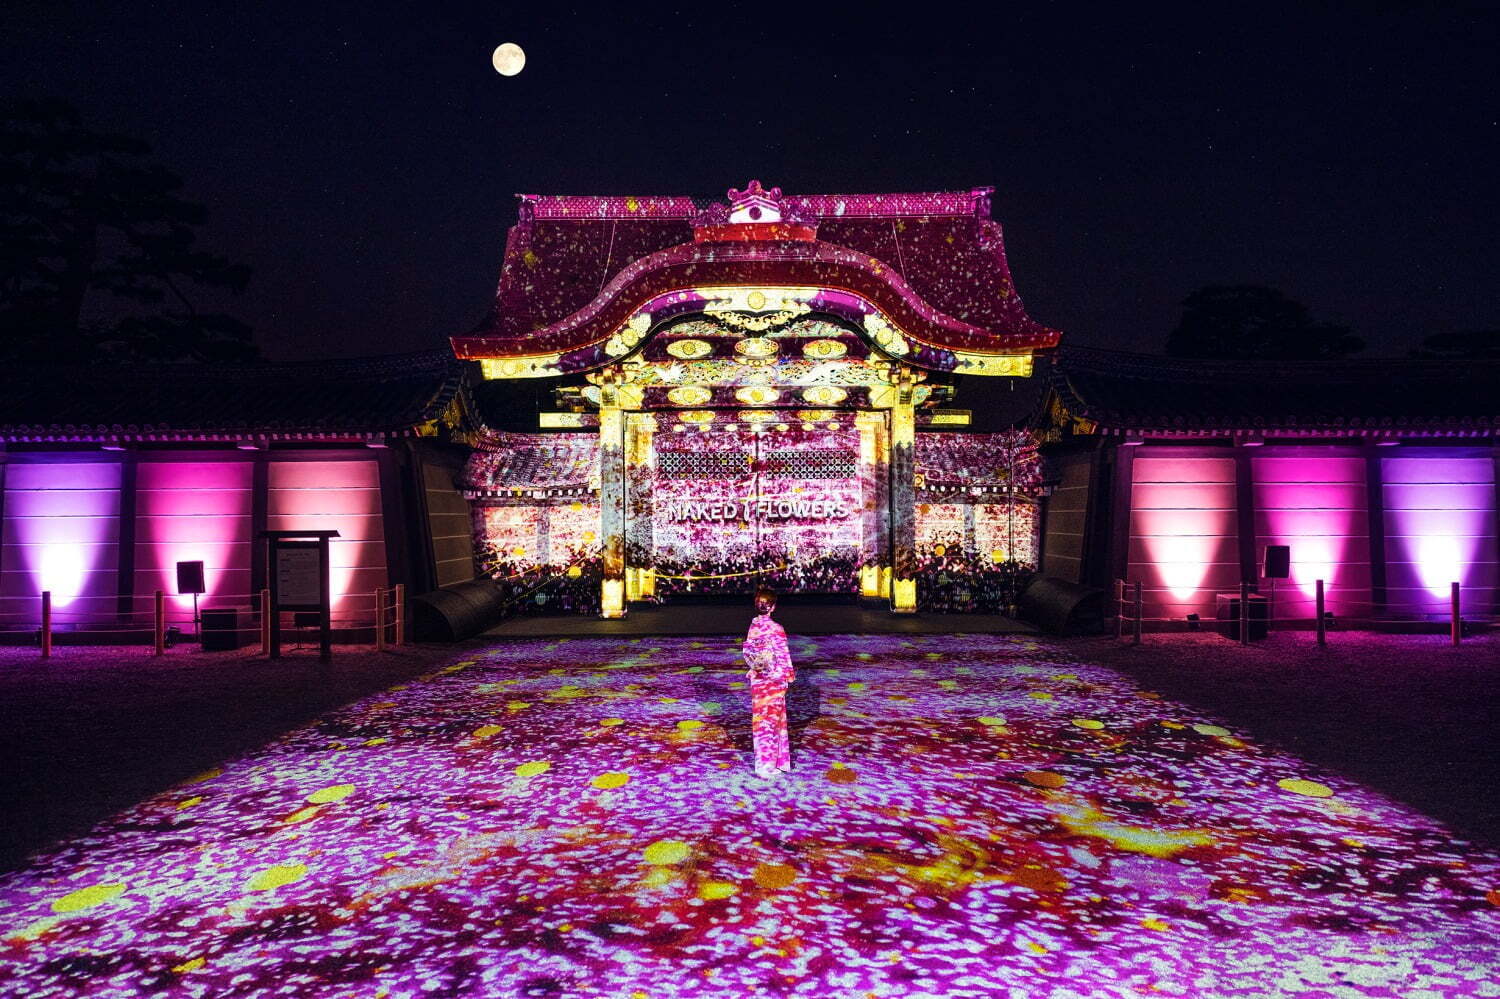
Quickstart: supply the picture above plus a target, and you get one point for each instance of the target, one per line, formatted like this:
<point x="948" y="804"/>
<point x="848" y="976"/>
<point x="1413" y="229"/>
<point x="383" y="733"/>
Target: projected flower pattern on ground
<point x="980" y="817"/>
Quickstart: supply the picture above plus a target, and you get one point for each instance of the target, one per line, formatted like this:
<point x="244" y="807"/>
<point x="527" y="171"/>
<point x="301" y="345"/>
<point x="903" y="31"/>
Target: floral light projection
<point x="988" y="817"/>
<point x="568" y="258"/>
<point x="721" y="508"/>
<point x="782" y="507"/>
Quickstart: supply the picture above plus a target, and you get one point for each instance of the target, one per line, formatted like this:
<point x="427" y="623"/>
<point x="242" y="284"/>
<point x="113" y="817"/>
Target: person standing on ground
<point x="770" y="673"/>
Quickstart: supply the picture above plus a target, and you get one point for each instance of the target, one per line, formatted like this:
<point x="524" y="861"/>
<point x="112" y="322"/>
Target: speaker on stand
<point x="190" y="580"/>
<point x="1277" y="564"/>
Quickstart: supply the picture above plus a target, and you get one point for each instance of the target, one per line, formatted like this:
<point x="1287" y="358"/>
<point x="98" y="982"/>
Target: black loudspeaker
<point x="221" y="629"/>
<point x="1278" y="562"/>
<point x="1228" y="612"/>
<point x="190" y="577"/>
<point x="1059" y="607"/>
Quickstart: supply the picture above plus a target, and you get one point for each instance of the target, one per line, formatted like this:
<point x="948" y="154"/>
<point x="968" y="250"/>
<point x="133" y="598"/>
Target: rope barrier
<point x="726" y="575"/>
<point x="151" y="617"/>
<point x="1239" y="620"/>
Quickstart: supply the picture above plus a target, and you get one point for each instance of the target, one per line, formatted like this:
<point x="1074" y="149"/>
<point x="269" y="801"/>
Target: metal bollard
<point x="1322" y="621"/>
<point x="379" y="619"/>
<point x="400" y="613"/>
<point x="1119" y="609"/>
<point x="1139" y="606"/>
<point x="1244" y="613"/>
<point x="265" y="622"/>
<point x="46" y="624"/>
<point x="1457" y="626"/>
<point x="159" y="624"/>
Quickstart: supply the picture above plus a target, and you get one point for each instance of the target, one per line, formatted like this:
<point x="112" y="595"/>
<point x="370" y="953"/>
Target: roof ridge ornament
<point x="753" y="206"/>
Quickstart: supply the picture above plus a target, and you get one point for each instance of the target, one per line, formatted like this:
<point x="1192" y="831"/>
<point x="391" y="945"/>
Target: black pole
<point x="325" y="610"/>
<point x="273" y="582"/>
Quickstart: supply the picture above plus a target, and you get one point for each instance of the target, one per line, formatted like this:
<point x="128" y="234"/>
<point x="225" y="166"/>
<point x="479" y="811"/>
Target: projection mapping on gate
<point x="766" y="382"/>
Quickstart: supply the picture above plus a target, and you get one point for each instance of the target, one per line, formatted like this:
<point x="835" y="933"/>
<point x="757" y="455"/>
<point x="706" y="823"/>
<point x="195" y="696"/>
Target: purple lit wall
<point x="1184" y="544"/>
<point x="1315" y="502"/>
<point x="61" y="533"/>
<point x="1440" y="529"/>
<point x="193" y="511"/>
<point x="343" y="496"/>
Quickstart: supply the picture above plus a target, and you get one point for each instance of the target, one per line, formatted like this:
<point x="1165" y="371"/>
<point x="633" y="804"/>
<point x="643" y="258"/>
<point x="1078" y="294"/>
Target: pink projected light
<point x="1442" y="560"/>
<point x="1182" y="562"/>
<point x="1315" y="504"/>
<point x="1182" y="524"/>
<point x="195" y="512"/>
<point x="62" y="571"/>
<point x="1315" y="558"/>
<point x="343" y="496"/>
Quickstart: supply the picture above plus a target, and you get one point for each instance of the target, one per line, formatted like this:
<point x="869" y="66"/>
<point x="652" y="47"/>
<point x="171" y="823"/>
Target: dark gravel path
<point x="1408" y="715"/>
<point x="95" y="729"/>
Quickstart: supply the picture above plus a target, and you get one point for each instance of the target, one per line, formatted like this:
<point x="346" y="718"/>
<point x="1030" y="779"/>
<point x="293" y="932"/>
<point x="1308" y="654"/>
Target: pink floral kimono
<point x="770" y="672"/>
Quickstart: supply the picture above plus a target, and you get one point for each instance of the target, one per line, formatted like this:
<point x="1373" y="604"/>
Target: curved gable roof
<point x="576" y="267"/>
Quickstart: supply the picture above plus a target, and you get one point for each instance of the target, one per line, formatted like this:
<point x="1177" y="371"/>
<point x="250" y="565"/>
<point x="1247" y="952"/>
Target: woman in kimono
<point x="770" y="673"/>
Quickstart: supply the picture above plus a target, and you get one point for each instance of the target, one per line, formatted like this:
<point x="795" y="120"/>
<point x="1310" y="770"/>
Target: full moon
<point x="509" y="59"/>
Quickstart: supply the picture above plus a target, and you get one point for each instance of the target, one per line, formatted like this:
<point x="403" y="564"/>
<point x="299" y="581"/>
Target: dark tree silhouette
<point x="1249" y="321"/>
<point x="98" y="256"/>
<point x="1465" y="345"/>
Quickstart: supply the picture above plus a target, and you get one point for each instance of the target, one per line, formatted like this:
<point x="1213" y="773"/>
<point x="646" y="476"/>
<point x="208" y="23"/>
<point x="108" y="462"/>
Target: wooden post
<point x="400" y="609"/>
<point x="265" y="622"/>
<point x="379" y="619"/>
<point x="1139" y="607"/>
<point x="1322" y="623"/>
<point x="1244" y="613"/>
<point x="1457" y="627"/>
<point x="46" y="624"/>
<point x="159" y="623"/>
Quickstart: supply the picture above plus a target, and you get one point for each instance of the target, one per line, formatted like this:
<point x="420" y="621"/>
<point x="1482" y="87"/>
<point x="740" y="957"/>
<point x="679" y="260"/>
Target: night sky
<point x="363" y="159"/>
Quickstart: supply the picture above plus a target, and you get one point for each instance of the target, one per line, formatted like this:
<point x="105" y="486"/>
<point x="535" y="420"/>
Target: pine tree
<point x="98" y="254"/>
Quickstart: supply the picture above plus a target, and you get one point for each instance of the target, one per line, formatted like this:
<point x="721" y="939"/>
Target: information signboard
<point x="297" y="563"/>
<point x="299" y="584"/>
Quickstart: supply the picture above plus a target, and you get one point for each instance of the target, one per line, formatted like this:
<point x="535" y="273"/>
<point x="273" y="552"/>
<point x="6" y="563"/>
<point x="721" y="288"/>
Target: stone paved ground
<point x="970" y="816"/>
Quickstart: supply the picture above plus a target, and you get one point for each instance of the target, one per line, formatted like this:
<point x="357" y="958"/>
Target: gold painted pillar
<point x="903" y="495"/>
<point x="612" y="498"/>
<point x="874" y="567"/>
<point x="640" y="579"/>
